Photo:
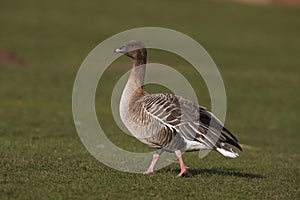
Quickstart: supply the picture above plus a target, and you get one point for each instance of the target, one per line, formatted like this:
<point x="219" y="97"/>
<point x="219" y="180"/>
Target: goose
<point x="168" y="122"/>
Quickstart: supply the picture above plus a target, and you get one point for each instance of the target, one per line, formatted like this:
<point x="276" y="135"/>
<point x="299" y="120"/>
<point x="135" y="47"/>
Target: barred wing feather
<point x="189" y="120"/>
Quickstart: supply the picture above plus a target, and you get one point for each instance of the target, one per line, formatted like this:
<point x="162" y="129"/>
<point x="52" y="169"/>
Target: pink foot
<point x="183" y="167"/>
<point x="148" y="172"/>
<point x="183" y="172"/>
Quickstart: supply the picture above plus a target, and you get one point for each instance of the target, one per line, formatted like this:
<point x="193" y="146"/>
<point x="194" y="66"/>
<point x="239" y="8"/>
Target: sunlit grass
<point x="255" y="48"/>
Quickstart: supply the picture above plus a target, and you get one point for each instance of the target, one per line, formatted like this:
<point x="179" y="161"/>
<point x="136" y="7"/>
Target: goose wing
<point x="189" y="120"/>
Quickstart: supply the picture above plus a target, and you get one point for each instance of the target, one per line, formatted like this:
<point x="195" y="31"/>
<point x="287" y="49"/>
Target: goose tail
<point x="227" y="151"/>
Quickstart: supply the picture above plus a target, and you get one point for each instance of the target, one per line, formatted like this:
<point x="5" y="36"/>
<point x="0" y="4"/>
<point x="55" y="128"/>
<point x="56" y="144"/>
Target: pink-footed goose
<point x="168" y="122"/>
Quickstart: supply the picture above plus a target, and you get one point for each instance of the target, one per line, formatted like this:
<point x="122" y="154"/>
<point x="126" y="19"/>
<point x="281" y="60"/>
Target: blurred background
<point x="255" y="44"/>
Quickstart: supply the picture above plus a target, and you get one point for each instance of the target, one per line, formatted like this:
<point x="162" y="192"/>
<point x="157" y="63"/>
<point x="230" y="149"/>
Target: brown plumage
<point x="168" y="122"/>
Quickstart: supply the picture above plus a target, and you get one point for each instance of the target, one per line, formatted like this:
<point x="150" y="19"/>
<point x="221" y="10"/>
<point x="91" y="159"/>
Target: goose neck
<point x="137" y="74"/>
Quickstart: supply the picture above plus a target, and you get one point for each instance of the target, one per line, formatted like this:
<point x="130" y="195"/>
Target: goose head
<point x="133" y="49"/>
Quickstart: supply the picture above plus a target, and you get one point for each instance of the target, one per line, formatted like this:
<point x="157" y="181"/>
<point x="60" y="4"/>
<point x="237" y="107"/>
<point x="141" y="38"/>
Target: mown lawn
<point x="256" y="49"/>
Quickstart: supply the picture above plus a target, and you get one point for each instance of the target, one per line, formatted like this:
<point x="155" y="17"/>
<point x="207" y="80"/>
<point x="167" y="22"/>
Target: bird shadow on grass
<point x="221" y="172"/>
<point x="224" y="172"/>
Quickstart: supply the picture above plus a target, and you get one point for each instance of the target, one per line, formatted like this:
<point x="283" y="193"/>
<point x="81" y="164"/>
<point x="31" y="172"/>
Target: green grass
<point x="256" y="49"/>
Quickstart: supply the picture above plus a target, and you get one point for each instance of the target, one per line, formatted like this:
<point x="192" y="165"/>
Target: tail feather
<point x="232" y="142"/>
<point x="233" y="137"/>
<point x="227" y="151"/>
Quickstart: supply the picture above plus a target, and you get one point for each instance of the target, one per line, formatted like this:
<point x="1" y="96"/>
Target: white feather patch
<point x="227" y="153"/>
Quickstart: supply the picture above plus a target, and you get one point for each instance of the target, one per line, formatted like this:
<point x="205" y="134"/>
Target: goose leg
<point x="150" y="170"/>
<point x="183" y="167"/>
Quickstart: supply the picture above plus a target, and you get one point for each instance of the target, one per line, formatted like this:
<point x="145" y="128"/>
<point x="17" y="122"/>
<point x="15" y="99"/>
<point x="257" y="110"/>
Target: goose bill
<point x="120" y="50"/>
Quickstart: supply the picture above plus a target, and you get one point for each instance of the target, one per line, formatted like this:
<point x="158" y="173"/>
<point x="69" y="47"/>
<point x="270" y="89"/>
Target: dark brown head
<point x="134" y="49"/>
